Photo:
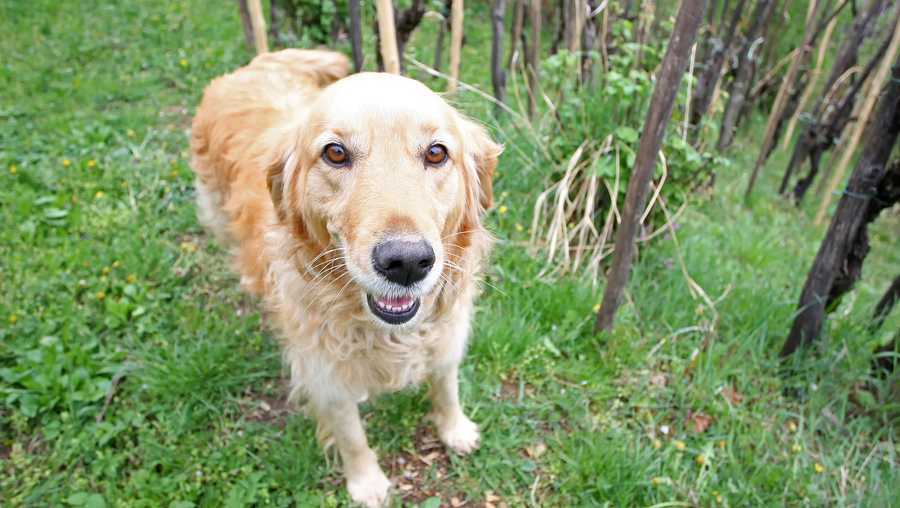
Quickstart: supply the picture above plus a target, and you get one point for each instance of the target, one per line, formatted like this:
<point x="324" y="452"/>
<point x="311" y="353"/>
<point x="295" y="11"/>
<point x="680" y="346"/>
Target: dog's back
<point x="245" y="122"/>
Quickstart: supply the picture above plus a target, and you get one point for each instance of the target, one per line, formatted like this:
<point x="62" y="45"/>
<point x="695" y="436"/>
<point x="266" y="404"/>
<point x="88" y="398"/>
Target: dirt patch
<point x="513" y="390"/>
<point x="178" y="117"/>
<point x="421" y="474"/>
<point x="268" y="405"/>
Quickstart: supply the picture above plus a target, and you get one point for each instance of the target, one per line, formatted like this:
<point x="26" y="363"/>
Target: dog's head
<point x="386" y="182"/>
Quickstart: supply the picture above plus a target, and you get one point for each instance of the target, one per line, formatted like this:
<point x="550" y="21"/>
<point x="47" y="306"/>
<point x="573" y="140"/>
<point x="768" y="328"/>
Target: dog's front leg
<point x="455" y="429"/>
<point x="339" y="420"/>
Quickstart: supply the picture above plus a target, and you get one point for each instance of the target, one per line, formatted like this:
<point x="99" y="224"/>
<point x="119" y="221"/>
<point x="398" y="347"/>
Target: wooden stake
<point x="837" y="248"/>
<point x="516" y="34"/>
<point x="690" y="15"/>
<point x="356" y="34"/>
<point x="781" y="99"/>
<point x="456" y="36"/>
<point x="387" y="33"/>
<point x="532" y="58"/>
<point x="498" y="73"/>
<point x="864" y="112"/>
<point x="578" y="16"/>
<point x="810" y="85"/>
<point x="259" y="26"/>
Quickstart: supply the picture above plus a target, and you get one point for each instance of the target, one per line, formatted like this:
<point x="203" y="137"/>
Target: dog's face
<point x="393" y="178"/>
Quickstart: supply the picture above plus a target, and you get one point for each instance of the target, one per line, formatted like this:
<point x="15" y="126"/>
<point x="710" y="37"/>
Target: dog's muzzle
<point x="402" y="263"/>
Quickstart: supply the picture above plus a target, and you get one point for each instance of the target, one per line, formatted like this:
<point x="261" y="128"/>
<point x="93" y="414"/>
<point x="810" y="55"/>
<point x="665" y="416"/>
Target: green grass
<point x="134" y="373"/>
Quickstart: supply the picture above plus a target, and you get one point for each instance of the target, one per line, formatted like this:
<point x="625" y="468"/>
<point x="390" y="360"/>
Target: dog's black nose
<point x="403" y="262"/>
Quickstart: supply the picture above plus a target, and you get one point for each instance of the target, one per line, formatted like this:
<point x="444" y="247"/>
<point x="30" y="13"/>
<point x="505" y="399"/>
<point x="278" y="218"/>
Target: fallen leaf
<point x="536" y="450"/>
<point x="456" y="502"/>
<point x="429" y="459"/>
<point x="700" y="421"/>
<point x="732" y="395"/>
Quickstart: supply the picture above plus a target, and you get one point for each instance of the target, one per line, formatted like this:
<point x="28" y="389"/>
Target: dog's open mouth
<point x="394" y="310"/>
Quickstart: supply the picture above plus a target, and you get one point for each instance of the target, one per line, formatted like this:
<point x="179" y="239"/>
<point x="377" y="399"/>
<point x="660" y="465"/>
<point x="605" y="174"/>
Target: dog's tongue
<point x="399" y="301"/>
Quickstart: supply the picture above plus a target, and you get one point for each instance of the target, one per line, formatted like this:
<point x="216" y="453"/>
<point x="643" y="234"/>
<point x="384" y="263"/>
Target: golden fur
<point x="302" y="232"/>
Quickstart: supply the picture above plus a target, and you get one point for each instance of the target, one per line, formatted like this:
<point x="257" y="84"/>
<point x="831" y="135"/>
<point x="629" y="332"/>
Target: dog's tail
<point x="318" y="66"/>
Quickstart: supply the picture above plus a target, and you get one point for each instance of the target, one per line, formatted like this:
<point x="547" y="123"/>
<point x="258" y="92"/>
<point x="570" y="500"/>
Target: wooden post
<point x="498" y="73"/>
<point x="845" y="58"/>
<point x="356" y="34"/>
<point x="810" y="85"/>
<point x="864" y="112"/>
<point x="690" y="15"/>
<point x="741" y="83"/>
<point x="259" y="26"/>
<point x="516" y="33"/>
<point x="387" y="34"/>
<point x="441" y="35"/>
<point x="709" y="79"/>
<point x="456" y="36"/>
<point x="881" y="136"/>
<point x="578" y="17"/>
<point x="246" y="24"/>
<point x="784" y="92"/>
<point x="885" y="304"/>
<point x="532" y="58"/>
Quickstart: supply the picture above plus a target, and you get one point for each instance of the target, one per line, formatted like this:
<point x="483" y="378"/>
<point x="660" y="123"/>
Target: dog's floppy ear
<point x="481" y="154"/>
<point x="281" y="176"/>
<point x="275" y="181"/>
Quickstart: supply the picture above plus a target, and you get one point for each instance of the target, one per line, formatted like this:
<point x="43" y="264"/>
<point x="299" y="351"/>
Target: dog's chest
<point x="389" y="361"/>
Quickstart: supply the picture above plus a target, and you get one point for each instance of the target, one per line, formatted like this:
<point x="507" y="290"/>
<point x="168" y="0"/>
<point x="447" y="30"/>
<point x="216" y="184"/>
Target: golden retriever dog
<point x="354" y="207"/>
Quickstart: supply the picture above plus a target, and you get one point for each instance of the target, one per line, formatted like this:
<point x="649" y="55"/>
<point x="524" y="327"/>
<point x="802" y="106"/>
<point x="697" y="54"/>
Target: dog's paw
<point x="461" y="436"/>
<point x="369" y="490"/>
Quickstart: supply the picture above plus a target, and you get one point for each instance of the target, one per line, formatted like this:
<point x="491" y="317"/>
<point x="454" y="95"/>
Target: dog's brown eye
<point x="436" y="154"/>
<point x="336" y="155"/>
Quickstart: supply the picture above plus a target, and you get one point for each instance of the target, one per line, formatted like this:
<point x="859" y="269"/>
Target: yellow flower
<point x="700" y="459"/>
<point x="819" y="468"/>
<point x="101" y="295"/>
<point x="116" y="264"/>
<point x="129" y="133"/>
<point x="596" y="308"/>
<point x="796" y="448"/>
<point x="792" y="426"/>
<point x="656" y="442"/>
<point x="722" y="444"/>
<point x="503" y="209"/>
<point x="183" y="62"/>
<point x="13" y="169"/>
<point x="679" y="445"/>
<point x="504" y="194"/>
<point x="173" y="174"/>
<point x="105" y="270"/>
<point x="656" y="481"/>
<point x="131" y="278"/>
<point x="99" y="194"/>
<point x="91" y="163"/>
<point x="719" y="498"/>
<point x="66" y="162"/>
<point x="188" y="247"/>
<point x="520" y="227"/>
<point x="13" y="318"/>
